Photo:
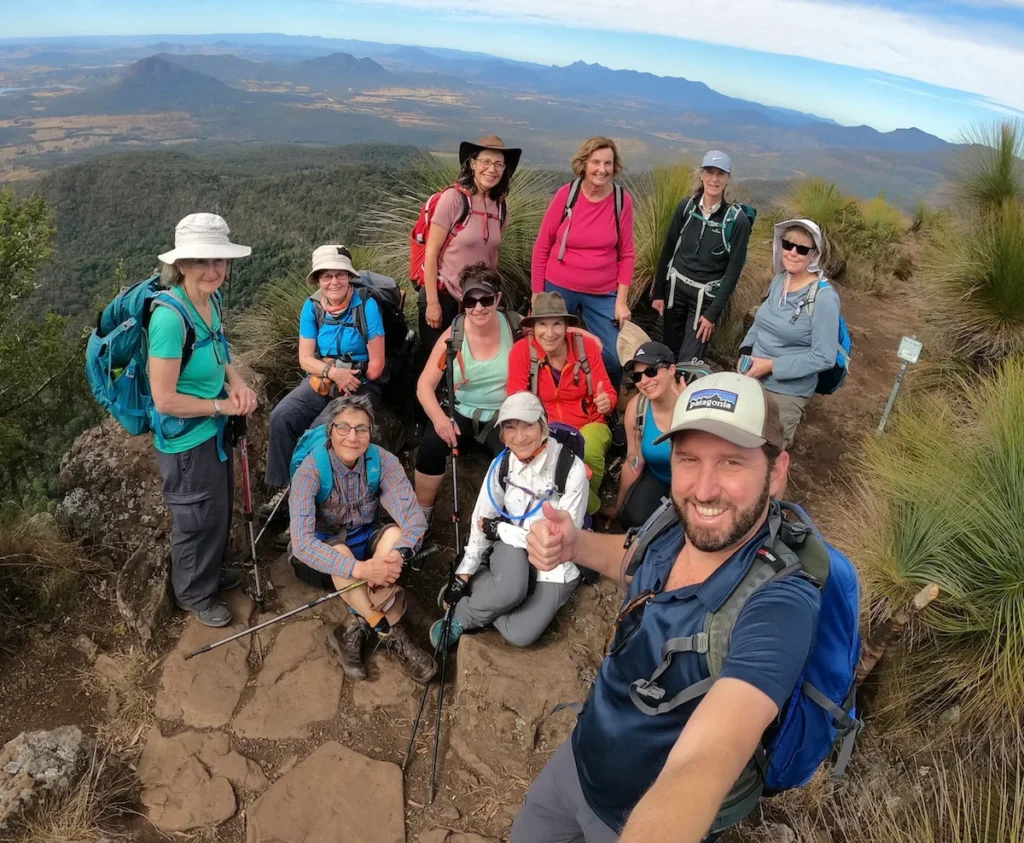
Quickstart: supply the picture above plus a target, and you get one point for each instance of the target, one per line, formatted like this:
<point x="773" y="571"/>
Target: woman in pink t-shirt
<point x="584" y="249"/>
<point x="457" y="239"/>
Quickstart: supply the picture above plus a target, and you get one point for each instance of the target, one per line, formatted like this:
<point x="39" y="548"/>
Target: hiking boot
<point x="282" y="540"/>
<point x="415" y="662"/>
<point x="216" y="614"/>
<point x="437" y="630"/>
<point x="280" y="500"/>
<point x="346" y="644"/>
<point x="229" y="578"/>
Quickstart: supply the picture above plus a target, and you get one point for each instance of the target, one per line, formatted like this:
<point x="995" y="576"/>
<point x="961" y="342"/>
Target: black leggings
<point x="433" y="454"/>
<point x="642" y="499"/>
<point x="449" y="310"/>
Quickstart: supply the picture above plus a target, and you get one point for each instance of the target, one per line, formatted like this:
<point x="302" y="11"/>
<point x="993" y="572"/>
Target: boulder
<point x="144" y="592"/>
<point x="187" y="780"/>
<point x="299" y="684"/>
<point x="203" y="692"/>
<point x="39" y="762"/>
<point x="333" y="795"/>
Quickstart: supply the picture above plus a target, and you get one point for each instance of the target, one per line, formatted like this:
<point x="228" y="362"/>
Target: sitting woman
<point x="563" y="367"/>
<point x="341" y="349"/>
<point x="480" y="373"/>
<point x="647" y="475"/>
<point x="794" y="335"/>
<point x="336" y="538"/>
<point x="495" y="583"/>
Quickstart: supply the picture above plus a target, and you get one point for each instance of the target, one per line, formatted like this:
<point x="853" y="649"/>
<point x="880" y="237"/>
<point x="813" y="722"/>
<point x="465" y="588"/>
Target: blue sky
<point x="936" y="65"/>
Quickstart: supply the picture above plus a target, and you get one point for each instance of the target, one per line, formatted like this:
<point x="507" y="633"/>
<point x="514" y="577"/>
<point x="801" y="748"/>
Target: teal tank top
<point x="481" y="384"/>
<point x="657" y="458"/>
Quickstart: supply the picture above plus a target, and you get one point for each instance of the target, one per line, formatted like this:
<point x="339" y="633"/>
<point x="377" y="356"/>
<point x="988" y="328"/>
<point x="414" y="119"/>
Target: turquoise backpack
<point x="315" y="441"/>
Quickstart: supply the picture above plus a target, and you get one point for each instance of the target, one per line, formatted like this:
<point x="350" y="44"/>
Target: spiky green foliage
<point x="974" y="275"/>
<point x="940" y="501"/>
<point x="991" y="171"/>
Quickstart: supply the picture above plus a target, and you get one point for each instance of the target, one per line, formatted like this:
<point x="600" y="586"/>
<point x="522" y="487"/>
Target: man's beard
<point x="710" y="541"/>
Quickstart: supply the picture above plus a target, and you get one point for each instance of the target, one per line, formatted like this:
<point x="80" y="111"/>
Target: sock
<point x="428" y="513"/>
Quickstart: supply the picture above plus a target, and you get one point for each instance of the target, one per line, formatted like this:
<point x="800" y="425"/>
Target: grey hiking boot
<point x="216" y="614"/>
<point x="415" y="662"/>
<point x="346" y="645"/>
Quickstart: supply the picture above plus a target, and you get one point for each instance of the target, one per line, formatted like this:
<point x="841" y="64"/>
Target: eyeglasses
<point x="627" y="622"/>
<point x="469" y="302"/>
<point x="488" y="163"/>
<point x="649" y="372"/>
<point x="334" y="275"/>
<point x="799" y="248"/>
<point x="344" y="429"/>
<point x="207" y="263"/>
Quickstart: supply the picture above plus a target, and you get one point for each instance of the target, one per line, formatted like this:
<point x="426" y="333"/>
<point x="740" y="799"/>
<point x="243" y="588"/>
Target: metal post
<point x="892" y="397"/>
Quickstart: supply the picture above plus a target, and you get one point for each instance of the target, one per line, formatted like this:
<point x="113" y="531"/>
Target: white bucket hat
<point x="521" y="406"/>
<point x="203" y="236"/>
<point x="331" y="257"/>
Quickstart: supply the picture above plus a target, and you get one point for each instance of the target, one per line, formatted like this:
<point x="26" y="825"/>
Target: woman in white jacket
<point x="495" y="583"/>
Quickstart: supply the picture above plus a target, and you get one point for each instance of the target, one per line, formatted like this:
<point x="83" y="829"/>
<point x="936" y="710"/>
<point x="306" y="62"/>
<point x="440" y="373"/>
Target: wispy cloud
<point x="856" y="35"/>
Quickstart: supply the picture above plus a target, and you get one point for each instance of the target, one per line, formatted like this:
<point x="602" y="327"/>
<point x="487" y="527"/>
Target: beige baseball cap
<point x="521" y="406"/>
<point x="730" y="405"/>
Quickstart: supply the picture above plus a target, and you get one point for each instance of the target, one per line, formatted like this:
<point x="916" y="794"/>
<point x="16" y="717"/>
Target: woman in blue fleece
<point x="794" y="334"/>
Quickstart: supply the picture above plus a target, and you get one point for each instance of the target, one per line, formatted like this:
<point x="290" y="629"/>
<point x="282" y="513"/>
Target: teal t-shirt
<point x="202" y="377"/>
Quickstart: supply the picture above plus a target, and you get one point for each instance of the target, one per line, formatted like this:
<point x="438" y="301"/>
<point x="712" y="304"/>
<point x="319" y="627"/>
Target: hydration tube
<point x="490" y="494"/>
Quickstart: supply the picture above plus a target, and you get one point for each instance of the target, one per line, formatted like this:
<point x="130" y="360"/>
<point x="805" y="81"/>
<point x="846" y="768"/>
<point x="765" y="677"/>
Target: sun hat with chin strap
<point x="203" y="236"/>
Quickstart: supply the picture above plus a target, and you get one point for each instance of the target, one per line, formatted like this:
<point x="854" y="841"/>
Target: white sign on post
<point x="909" y="350"/>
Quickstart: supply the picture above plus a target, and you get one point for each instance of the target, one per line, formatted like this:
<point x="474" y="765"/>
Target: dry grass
<point x="131" y="703"/>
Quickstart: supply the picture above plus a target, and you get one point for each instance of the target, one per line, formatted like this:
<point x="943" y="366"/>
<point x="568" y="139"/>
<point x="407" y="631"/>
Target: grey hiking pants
<point x="199" y="490"/>
<point x="506" y="594"/>
<point x="300" y="410"/>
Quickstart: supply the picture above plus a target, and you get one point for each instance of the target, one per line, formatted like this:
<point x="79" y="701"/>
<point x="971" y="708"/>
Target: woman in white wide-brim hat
<point x="195" y="388"/>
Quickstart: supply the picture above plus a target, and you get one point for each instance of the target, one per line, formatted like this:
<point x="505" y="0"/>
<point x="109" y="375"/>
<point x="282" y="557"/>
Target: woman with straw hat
<point x="341" y="349"/>
<point x="194" y="402"/>
<point x="466" y="225"/>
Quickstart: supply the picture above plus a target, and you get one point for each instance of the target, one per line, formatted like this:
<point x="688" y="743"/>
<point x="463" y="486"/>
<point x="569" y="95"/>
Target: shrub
<point x="939" y="501"/>
<point x="991" y="171"/>
<point x="838" y="217"/>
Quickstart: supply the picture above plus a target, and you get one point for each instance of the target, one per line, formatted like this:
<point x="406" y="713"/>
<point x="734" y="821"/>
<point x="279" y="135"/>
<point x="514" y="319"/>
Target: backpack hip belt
<point x="705" y="290"/>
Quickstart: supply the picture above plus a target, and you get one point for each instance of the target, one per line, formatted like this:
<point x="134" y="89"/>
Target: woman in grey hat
<point x="194" y="402"/>
<point x="465" y="228"/>
<point x="701" y="261"/>
<point x="341" y="349"/>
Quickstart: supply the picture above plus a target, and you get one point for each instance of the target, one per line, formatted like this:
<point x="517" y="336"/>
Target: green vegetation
<point x="991" y="172"/>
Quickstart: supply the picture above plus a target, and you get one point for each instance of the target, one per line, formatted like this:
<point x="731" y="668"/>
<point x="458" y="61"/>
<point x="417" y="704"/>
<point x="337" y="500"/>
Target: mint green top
<point x="202" y="377"/>
<point x="481" y="384"/>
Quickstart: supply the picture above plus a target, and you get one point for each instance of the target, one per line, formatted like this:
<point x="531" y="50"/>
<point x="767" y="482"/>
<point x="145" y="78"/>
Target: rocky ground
<point x="264" y="739"/>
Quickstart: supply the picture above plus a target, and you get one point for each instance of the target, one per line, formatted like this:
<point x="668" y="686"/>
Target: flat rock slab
<point x="443" y="835"/>
<point x="187" y="780"/>
<point x="387" y="688"/>
<point x="293" y="592"/>
<point x="204" y="691"/>
<point x="299" y="684"/>
<point x="334" y="796"/>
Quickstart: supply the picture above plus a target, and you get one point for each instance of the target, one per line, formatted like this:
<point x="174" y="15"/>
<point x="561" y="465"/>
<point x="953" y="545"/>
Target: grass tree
<point x="838" y="217"/>
<point x="991" y="171"/>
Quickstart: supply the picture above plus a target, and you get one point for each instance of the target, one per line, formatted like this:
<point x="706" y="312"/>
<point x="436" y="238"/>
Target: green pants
<point x="597" y="436"/>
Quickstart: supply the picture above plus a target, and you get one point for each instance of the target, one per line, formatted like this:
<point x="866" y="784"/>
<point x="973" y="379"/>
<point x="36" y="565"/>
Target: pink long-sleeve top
<point x="597" y="259"/>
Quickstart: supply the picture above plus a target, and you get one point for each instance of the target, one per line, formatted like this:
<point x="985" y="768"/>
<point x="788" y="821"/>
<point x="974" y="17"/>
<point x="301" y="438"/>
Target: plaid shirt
<point x="349" y="506"/>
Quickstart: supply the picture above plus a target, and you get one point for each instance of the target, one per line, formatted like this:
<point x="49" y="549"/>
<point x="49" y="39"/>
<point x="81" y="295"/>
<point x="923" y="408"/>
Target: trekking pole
<point x="241" y="433"/>
<point x="273" y="512"/>
<point x="423" y="554"/>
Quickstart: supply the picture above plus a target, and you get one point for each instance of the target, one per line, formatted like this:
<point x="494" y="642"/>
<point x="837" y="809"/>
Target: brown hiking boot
<point x="346" y="643"/>
<point x="416" y="662"/>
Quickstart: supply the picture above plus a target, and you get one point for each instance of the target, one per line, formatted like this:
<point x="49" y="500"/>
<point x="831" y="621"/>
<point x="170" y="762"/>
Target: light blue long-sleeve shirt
<point x="799" y="348"/>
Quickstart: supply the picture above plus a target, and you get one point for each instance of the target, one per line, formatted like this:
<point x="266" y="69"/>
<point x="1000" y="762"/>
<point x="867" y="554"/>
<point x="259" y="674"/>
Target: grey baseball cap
<point x="521" y="406"/>
<point x="719" y="159"/>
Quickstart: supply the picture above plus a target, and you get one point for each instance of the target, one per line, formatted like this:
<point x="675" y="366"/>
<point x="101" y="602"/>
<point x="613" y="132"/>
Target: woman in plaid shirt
<point x="340" y="541"/>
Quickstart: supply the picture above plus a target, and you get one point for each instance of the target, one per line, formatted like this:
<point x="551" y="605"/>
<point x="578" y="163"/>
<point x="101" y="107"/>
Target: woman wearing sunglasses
<point x="480" y="374"/>
<point x="584" y="249"/>
<point x="465" y="228"/>
<point x="341" y="350"/>
<point x="339" y="541"/>
<point x="647" y="475"/>
<point x="495" y="583"/>
<point x="793" y="336"/>
<point x="193" y="402"/>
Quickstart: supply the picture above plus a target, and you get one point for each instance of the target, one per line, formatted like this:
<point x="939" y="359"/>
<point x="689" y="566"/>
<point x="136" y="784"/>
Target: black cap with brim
<point x="654" y="354"/>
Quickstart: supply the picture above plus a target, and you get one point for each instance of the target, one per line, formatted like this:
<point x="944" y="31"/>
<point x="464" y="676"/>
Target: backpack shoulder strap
<point x="638" y="540"/>
<point x="326" y="471"/>
<point x="687" y="216"/>
<point x="641" y="414"/>
<point x="729" y="223"/>
<point x="318" y="309"/>
<point x="515" y="323"/>
<point x="534" y="369"/>
<point x="373" y="469"/>
<point x="166" y="298"/>
<point x="359" y="315"/>
<point x="570" y="203"/>
<point x="582" y="361"/>
<point x="503" y="469"/>
<point x="563" y="465"/>
<point x="620" y="200"/>
<point x="812" y="295"/>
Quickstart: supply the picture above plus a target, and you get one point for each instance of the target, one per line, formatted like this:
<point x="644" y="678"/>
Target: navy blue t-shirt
<point x="619" y="749"/>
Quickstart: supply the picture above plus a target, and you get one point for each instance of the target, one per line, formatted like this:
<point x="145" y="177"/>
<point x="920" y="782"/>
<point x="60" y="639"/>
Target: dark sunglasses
<point x="788" y="246"/>
<point x="627" y="623"/>
<point x="649" y="372"/>
<point x="470" y="302"/>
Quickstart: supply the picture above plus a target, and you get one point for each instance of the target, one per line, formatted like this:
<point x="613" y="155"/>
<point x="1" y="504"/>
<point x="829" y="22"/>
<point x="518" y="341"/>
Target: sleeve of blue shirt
<point x="374" y="323"/>
<point x="307" y="321"/>
<point x="773" y="636"/>
<point x="821" y="356"/>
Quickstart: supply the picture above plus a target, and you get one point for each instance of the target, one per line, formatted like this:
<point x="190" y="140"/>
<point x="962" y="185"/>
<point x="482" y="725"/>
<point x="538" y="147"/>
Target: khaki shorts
<point x="791" y="413"/>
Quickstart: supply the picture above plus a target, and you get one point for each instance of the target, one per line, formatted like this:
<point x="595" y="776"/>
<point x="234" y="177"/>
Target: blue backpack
<point x="820" y="716"/>
<point x="117" y="352"/>
<point x="315" y="441"/>
<point x="831" y="380"/>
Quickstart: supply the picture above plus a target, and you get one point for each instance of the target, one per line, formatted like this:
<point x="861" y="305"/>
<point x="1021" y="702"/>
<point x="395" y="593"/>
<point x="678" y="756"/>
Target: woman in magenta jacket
<point x="584" y="249"/>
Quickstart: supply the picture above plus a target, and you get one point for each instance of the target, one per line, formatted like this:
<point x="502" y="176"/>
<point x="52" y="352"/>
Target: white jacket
<point x="537" y="475"/>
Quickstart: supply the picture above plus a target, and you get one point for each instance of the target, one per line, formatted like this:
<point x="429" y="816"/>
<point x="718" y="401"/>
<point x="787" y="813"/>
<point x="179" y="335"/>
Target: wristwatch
<point x="216" y="407"/>
<point x="327" y="368"/>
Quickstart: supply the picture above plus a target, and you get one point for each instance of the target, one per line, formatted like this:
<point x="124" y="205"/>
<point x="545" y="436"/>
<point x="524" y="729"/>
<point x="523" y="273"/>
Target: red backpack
<point x="418" y="236"/>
